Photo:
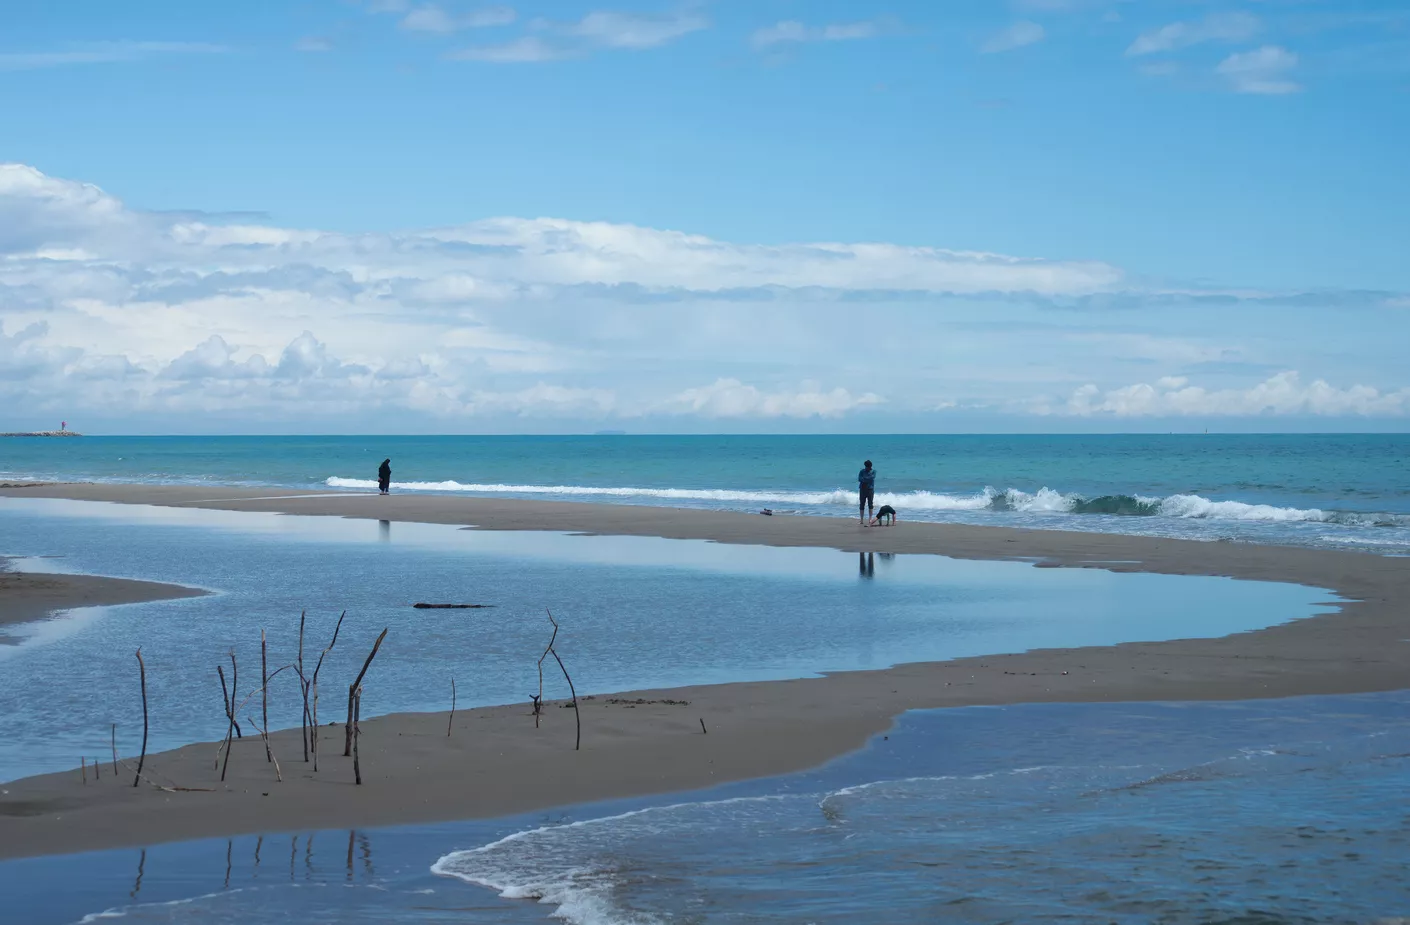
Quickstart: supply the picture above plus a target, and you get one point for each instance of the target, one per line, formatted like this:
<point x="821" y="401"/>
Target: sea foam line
<point x="1043" y="501"/>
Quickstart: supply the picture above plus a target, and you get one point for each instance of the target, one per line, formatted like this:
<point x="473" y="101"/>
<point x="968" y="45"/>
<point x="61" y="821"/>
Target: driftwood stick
<point x="352" y="689"/>
<point x="703" y="730"/>
<point x="538" y="701"/>
<point x="225" y="693"/>
<point x="303" y="685"/>
<point x="142" y="667"/>
<point x="230" y="730"/>
<point x="83" y="769"/>
<point x="577" y="713"/>
<point x="114" y="739"/>
<point x="278" y="775"/>
<point x="356" y="734"/>
<point x="264" y="691"/>
<point x="313" y="714"/>
<point x="450" y="722"/>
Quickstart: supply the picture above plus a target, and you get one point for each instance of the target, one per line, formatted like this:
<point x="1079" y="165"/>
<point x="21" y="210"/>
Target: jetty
<point x="46" y="433"/>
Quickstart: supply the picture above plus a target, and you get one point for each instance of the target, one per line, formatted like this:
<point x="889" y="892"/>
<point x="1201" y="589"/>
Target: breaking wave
<point x="1043" y="501"/>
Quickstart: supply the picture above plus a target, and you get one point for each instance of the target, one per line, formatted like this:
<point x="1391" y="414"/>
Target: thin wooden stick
<point x="229" y="705"/>
<point x="538" y="703"/>
<point x="702" y="726"/>
<point x="278" y="774"/>
<point x="264" y="691"/>
<point x="114" y="733"/>
<point x="142" y="667"/>
<point x="356" y="734"/>
<point x="230" y="730"/>
<point x="97" y="769"/>
<point x="303" y="685"/>
<point x="451" y="721"/>
<point x="348" y="728"/>
<point x="83" y="769"/>
<point x="577" y="713"/>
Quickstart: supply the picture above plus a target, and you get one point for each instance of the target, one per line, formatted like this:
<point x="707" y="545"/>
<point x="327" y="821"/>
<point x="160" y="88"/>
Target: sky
<point x="334" y="216"/>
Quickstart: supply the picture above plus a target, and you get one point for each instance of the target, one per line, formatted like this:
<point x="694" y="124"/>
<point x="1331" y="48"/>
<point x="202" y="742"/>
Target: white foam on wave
<point x="540" y="864"/>
<point x="1043" y="501"/>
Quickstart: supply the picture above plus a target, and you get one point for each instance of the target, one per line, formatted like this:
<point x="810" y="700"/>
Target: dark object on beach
<point x="703" y="730"/>
<point x="384" y="476"/>
<point x="356" y="728"/>
<point x="450" y="722"/>
<point x="767" y="512"/>
<point x="425" y="606"/>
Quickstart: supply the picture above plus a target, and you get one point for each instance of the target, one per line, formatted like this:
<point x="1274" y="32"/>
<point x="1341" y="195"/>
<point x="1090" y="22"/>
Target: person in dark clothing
<point x="866" y="491"/>
<point x="384" y="476"/>
<point x="885" y="514"/>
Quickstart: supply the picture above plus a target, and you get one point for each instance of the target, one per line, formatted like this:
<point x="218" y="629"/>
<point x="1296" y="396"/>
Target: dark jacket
<point x="384" y="471"/>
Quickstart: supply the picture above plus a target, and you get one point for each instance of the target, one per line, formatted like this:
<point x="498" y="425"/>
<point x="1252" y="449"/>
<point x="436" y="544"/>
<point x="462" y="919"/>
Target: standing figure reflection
<point x="866" y="564"/>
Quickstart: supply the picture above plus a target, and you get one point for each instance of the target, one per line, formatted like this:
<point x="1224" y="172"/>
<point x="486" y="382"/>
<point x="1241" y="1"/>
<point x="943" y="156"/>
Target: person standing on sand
<point x="384" y="477"/>
<point x="866" y="491"/>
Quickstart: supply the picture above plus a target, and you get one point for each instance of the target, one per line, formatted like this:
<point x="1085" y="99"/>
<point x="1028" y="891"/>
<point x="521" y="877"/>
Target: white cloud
<point x="730" y="398"/>
<point x="432" y="18"/>
<point x="794" y="32"/>
<point x="1015" y="36"/>
<point x="102" y="53"/>
<point x="528" y="49"/>
<point x="313" y="43"/>
<point x="1216" y="27"/>
<point x="109" y="313"/>
<point x="1282" y="394"/>
<point x="596" y="31"/>
<point x="636" y="31"/>
<point x="1263" y="70"/>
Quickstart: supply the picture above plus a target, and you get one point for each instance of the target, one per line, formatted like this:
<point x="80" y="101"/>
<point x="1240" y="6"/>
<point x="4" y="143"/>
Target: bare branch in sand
<point x="142" y="667"/>
<point x="278" y="774"/>
<point x="114" y="740"/>
<point x="451" y="722"/>
<point x="577" y="713"/>
<point x="264" y="690"/>
<point x="229" y="711"/>
<point x="225" y="694"/>
<point x="538" y="701"/>
<point x="356" y="732"/>
<point x="352" y="689"/>
<point x="303" y="685"/>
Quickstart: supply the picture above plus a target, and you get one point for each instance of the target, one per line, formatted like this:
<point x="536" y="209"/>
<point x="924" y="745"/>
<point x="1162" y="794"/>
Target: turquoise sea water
<point x="1263" y="813"/>
<point x="1343" y="491"/>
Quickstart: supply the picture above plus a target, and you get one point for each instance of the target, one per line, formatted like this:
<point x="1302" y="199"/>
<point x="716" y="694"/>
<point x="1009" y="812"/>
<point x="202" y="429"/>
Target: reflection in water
<point x="141" y="866"/>
<point x="866" y="564"/>
<point x="384" y="531"/>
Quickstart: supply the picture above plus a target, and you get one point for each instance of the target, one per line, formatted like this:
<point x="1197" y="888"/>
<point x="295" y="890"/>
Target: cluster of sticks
<point x="308" y="685"/>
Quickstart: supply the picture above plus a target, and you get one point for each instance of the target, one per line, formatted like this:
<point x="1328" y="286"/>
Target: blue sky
<point x="1206" y="203"/>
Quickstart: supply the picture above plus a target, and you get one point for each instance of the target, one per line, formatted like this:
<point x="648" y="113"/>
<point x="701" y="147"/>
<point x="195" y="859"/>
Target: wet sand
<point x="497" y="763"/>
<point x="29" y="596"/>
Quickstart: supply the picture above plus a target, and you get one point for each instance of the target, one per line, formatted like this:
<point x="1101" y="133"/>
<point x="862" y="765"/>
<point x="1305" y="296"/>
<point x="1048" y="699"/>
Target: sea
<point x="1286" y="812"/>
<point x="1344" y="491"/>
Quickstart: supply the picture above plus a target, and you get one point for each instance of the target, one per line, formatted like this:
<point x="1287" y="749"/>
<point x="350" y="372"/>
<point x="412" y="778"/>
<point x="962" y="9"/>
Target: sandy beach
<point x="496" y="763"/>
<point x="28" y="596"/>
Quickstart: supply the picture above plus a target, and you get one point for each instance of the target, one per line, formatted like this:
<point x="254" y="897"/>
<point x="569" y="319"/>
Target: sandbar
<point x="496" y="762"/>
<point x="29" y="596"/>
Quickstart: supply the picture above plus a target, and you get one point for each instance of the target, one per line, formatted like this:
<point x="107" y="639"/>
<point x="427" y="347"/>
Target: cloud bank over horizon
<point x="192" y="322"/>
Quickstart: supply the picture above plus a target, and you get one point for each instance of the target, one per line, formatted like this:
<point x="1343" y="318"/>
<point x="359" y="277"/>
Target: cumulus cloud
<point x="1263" y="70"/>
<point x="1015" y="36"/>
<point x="792" y="31"/>
<point x="1282" y="394"/>
<point x="1216" y="27"/>
<point x="115" y="314"/>
<point x="730" y="398"/>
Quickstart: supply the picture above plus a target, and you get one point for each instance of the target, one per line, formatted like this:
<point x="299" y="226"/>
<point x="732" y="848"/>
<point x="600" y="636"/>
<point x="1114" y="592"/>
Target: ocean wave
<point x="1043" y="501"/>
